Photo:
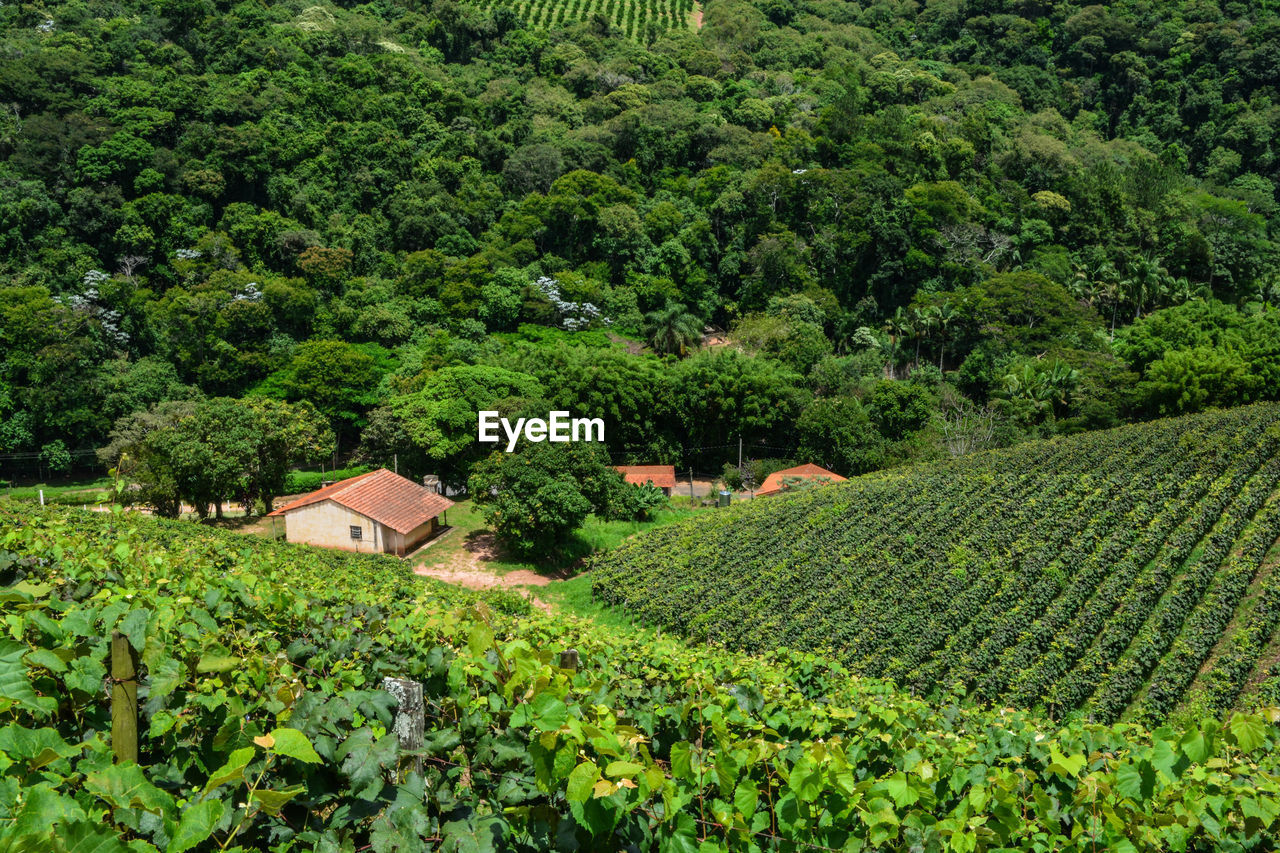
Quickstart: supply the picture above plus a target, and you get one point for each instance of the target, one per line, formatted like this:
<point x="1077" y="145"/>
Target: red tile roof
<point x="808" y="471"/>
<point x="385" y="497"/>
<point x="662" y="476"/>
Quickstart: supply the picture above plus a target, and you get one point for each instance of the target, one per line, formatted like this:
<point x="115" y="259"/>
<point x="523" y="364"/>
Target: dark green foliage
<point x="632" y="393"/>
<point x="301" y="482"/>
<point x="1195" y="379"/>
<point x="632" y="502"/>
<point x="720" y="395"/>
<point x="338" y="378"/>
<point x="1203" y="354"/>
<point x="534" y="498"/>
<point x="208" y="452"/>
<point x="899" y="408"/>
<point x="434" y="428"/>
<point x="671" y="330"/>
<point x="214" y="199"/>
<point x="838" y="434"/>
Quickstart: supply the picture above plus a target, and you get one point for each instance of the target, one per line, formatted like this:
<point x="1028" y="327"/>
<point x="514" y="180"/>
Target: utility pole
<point x="396" y="462"/>
<point x="691" y="496"/>
<point x="739" y="452"/>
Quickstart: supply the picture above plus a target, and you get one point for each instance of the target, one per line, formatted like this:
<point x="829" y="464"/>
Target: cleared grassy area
<point x="84" y="491"/>
<point x="469" y="539"/>
<point x="253" y="525"/>
<point x="574" y="596"/>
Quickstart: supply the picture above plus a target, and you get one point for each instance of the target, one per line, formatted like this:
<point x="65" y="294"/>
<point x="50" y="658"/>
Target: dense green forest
<point x="924" y="228"/>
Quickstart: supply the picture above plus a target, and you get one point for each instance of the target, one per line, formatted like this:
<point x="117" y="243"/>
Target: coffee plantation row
<point x="637" y="19"/>
<point x="262" y="725"/>
<point x="1119" y="574"/>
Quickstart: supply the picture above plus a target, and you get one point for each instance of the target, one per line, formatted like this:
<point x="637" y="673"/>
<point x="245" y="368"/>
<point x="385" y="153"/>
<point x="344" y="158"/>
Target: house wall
<point x="420" y="534"/>
<point x="329" y="524"/>
<point x="402" y="543"/>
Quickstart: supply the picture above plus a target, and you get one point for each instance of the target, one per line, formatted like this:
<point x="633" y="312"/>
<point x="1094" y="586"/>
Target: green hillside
<point x="1120" y="572"/>
<point x="262" y="726"/>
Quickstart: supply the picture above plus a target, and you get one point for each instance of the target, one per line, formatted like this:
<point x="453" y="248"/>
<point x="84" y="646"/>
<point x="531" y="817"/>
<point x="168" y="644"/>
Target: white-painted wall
<point x="329" y="524"/>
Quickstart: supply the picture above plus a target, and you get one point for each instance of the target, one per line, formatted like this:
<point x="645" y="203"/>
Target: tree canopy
<point x="330" y="204"/>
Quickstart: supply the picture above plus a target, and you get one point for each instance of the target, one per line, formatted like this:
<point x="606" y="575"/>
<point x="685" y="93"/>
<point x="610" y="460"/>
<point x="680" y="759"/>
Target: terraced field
<point x="1124" y="573"/>
<point x="632" y="17"/>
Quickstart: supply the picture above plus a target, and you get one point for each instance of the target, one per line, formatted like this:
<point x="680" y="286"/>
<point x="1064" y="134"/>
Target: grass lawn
<point x="468" y="535"/>
<point x="85" y="491"/>
<point x="574" y="596"/>
<point x="469" y="542"/>
<point x="253" y="525"/>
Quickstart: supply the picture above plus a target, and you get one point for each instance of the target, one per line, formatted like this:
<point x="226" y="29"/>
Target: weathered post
<point x="569" y="659"/>
<point x="124" y="699"/>
<point x="410" y="723"/>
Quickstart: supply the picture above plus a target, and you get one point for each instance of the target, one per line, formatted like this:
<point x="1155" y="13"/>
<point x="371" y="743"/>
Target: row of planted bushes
<point x="1060" y="574"/>
<point x="263" y="726"/>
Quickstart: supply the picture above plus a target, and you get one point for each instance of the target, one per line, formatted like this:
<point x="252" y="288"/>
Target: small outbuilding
<point x="777" y="482"/>
<point x="661" y="476"/>
<point x="375" y="512"/>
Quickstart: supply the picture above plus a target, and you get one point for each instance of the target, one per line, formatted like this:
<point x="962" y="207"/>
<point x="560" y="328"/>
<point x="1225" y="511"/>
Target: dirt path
<point x="466" y="568"/>
<point x="633" y="347"/>
<point x="697" y="16"/>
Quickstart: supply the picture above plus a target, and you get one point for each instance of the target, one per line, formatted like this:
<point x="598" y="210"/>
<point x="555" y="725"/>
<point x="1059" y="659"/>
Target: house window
<point x="357" y="532"/>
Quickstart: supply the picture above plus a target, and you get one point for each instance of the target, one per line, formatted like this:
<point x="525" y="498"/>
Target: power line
<point x="37" y="454"/>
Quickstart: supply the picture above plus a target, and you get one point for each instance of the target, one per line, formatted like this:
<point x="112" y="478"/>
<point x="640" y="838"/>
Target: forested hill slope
<point x="203" y="197"/>
<point x="1118" y="572"/>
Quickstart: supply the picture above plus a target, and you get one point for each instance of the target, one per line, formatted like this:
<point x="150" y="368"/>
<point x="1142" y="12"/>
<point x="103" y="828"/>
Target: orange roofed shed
<point x="774" y="482"/>
<point x="375" y="512"/>
<point x="662" y="476"/>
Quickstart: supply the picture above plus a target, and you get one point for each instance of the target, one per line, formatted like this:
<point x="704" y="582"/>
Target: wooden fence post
<point x="410" y="723"/>
<point x="124" y="699"/>
<point x="569" y="659"/>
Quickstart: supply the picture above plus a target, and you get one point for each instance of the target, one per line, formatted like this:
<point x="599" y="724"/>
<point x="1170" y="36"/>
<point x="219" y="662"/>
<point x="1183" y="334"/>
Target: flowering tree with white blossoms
<point x="573" y="315"/>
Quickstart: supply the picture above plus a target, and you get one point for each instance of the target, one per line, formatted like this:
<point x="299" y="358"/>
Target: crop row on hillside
<point x="634" y="18"/>
<point x="263" y="728"/>
<point x="1096" y="572"/>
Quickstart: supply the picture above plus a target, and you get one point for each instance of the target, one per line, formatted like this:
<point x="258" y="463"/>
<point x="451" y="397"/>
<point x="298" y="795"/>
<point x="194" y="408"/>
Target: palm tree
<point x="923" y="321"/>
<point x="898" y="326"/>
<point x="944" y="315"/>
<point x="1083" y="288"/>
<point x="672" y="329"/>
<point x="1181" y="290"/>
<point x="1046" y="389"/>
<point x="1099" y="287"/>
<point x="1145" y="279"/>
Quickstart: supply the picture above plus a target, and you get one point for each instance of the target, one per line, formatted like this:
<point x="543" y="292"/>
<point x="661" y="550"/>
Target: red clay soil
<point x="466" y="569"/>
